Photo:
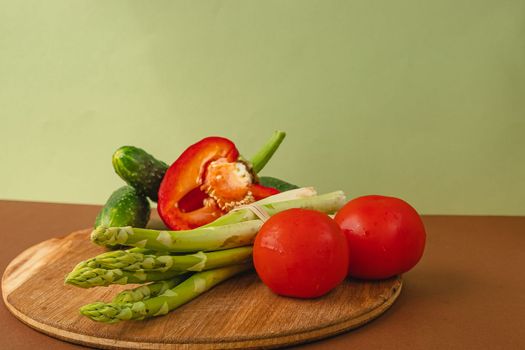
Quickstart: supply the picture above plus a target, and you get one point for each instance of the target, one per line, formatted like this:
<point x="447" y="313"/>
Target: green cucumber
<point x="139" y="169"/>
<point x="125" y="207"/>
<point x="276" y="183"/>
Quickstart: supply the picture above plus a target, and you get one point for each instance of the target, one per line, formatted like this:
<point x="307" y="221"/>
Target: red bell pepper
<point x="208" y="180"/>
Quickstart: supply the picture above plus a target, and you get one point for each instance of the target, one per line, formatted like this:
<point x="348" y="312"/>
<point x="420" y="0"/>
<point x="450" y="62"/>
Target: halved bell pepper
<point x="208" y="180"/>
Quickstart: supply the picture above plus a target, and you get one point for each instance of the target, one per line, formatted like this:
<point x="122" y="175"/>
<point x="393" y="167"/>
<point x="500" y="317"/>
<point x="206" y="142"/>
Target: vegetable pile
<point x="223" y="219"/>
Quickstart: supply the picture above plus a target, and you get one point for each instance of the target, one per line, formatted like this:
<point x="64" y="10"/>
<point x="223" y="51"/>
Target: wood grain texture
<point x="240" y="313"/>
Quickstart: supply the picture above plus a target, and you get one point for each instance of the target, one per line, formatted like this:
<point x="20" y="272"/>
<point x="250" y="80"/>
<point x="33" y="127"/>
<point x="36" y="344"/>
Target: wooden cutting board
<point x="241" y="313"/>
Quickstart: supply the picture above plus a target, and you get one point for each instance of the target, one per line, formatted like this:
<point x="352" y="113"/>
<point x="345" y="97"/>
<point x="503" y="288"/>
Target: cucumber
<point x="125" y="207"/>
<point x="139" y="169"/>
<point x="276" y="183"/>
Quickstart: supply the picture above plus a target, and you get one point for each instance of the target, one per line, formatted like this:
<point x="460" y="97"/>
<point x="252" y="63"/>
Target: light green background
<point x="424" y="100"/>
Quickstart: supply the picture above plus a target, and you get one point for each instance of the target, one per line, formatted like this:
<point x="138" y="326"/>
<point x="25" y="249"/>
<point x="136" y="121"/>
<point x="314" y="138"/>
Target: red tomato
<point x="301" y="253"/>
<point x="386" y="236"/>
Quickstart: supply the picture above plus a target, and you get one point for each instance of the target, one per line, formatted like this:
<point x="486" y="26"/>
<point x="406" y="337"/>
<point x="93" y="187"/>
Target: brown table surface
<point x="468" y="291"/>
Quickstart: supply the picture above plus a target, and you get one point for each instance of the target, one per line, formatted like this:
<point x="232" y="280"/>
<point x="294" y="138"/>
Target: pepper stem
<point x="262" y="157"/>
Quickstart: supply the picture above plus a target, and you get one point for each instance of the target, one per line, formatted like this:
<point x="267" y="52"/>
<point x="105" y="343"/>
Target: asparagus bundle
<point x="214" y="253"/>
<point x="162" y="303"/>
<point x="122" y="267"/>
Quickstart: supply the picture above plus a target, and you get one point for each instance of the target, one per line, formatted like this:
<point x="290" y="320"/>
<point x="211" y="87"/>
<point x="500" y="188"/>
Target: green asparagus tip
<point x="111" y="236"/>
<point x="107" y="312"/>
<point x="87" y="277"/>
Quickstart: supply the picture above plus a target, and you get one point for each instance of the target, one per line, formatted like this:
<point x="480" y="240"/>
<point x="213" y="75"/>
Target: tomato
<point x="301" y="253"/>
<point x="386" y="236"/>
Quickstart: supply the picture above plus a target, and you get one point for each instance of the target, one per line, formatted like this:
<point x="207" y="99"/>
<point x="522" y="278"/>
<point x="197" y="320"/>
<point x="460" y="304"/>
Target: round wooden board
<point x="241" y="313"/>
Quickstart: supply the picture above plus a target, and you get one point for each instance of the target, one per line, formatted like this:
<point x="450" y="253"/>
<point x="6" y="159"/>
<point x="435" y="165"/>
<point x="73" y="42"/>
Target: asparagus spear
<point x="239" y="228"/>
<point x="131" y="251"/>
<point x="86" y="277"/>
<point x="165" y="302"/>
<point x="132" y="261"/>
<point x="121" y="267"/>
<point x="202" y="238"/>
<point x="148" y="291"/>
